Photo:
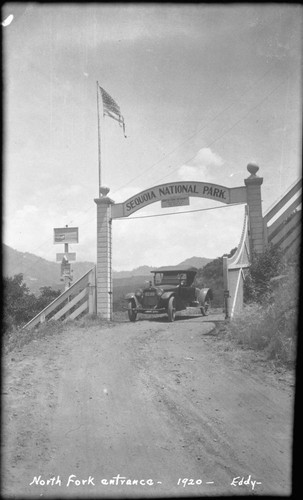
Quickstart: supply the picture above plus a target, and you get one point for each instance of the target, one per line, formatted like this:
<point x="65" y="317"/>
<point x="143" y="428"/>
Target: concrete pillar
<point x="104" y="280"/>
<point x="254" y="202"/>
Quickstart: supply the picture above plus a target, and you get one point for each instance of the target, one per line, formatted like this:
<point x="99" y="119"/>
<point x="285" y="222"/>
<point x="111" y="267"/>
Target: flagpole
<point x="99" y="140"/>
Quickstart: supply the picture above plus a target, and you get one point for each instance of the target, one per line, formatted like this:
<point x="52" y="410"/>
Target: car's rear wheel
<point x="205" y="308"/>
<point x="132" y="314"/>
<point x="171" y="310"/>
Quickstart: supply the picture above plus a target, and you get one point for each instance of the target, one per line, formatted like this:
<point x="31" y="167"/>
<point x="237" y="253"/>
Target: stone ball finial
<point x="103" y="190"/>
<point x="252" y="168"/>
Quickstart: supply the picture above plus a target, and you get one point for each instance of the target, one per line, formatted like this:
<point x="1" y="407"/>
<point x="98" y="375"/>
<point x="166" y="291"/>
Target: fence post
<point x="265" y="233"/>
<point x="92" y="292"/>
<point x="254" y="202"/>
<point x="226" y="287"/>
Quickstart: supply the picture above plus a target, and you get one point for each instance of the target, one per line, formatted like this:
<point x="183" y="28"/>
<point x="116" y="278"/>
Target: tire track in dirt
<point x="215" y="426"/>
<point x="148" y="399"/>
<point x="26" y="408"/>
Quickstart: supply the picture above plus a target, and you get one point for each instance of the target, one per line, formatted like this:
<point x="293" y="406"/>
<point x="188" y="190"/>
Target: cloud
<point x="188" y="173"/>
<point x="25" y="211"/>
<point x="124" y="193"/>
<point x="206" y="158"/>
<point x="72" y="190"/>
<point x="198" y="168"/>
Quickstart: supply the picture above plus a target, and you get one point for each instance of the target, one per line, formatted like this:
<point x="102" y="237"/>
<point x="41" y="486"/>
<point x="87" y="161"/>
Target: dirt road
<point x="162" y="405"/>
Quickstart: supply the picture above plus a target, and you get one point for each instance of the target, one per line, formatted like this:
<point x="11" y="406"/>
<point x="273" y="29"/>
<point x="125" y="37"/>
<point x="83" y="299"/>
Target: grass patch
<point x="88" y="321"/>
<point x="17" y="337"/>
<point x="270" y="327"/>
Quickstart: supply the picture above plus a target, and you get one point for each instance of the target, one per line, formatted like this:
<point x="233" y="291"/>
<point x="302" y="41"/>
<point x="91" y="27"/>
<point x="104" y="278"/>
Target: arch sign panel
<point x="177" y="194"/>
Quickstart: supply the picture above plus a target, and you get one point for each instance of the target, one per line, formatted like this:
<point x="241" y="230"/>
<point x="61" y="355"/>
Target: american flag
<point x="111" y="108"/>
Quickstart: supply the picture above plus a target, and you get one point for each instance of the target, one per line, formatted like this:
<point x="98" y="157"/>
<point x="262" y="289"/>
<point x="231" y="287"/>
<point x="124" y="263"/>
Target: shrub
<point x="18" y="301"/>
<point x="16" y="338"/>
<point x="20" y="306"/>
<point x="47" y="295"/>
<point x="264" y="267"/>
<point x="271" y="327"/>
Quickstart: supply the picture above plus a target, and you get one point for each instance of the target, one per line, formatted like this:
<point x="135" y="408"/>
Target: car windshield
<point x="170" y="279"/>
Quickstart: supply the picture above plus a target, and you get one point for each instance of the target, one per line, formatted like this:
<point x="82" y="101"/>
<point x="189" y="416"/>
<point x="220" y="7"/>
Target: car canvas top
<point x="174" y="269"/>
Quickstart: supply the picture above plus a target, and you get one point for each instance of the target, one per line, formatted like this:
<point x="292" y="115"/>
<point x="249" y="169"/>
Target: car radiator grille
<point x="150" y="299"/>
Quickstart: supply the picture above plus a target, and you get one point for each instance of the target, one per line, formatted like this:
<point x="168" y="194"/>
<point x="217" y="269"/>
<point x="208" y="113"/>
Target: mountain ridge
<point x="38" y="272"/>
<point x="145" y="270"/>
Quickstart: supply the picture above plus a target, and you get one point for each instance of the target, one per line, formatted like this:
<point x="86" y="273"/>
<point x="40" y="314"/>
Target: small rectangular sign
<point x="69" y="256"/>
<point x="66" y="235"/>
<point x="175" y="202"/>
<point x="65" y="269"/>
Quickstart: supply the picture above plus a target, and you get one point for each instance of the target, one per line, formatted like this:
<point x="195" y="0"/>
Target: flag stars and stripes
<point x="111" y="108"/>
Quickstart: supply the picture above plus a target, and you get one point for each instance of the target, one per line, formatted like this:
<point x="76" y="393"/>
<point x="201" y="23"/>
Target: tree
<point x="19" y="303"/>
<point x="47" y="295"/>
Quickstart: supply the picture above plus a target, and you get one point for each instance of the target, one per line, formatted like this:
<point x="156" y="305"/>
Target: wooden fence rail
<point x="82" y="292"/>
<point x="285" y="231"/>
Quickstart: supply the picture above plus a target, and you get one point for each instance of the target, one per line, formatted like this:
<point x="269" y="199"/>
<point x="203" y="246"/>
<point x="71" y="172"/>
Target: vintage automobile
<point x="170" y="291"/>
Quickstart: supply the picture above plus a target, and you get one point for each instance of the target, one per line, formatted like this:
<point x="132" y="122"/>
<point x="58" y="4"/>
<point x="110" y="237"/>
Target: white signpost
<point x="66" y="235"/>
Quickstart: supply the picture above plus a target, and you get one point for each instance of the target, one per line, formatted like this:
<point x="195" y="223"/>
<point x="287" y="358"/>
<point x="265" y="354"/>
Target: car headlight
<point x="159" y="292"/>
<point x="138" y="293"/>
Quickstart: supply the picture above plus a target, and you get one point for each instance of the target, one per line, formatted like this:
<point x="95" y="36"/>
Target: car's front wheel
<point x="205" y="308"/>
<point x="171" y="310"/>
<point x="132" y="314"/>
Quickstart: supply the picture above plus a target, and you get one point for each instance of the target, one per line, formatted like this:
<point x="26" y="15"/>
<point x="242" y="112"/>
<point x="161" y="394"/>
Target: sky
<point x="204" y="89"/>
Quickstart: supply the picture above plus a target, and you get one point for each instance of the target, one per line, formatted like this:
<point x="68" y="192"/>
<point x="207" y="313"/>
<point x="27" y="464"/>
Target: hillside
<point x="38" y="272"/>
<point x="198" y="262"/>
<point x="138" y="271"/>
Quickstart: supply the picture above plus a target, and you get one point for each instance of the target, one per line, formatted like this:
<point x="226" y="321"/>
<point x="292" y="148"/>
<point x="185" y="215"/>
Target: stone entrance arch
<point x="169" y="194"/>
